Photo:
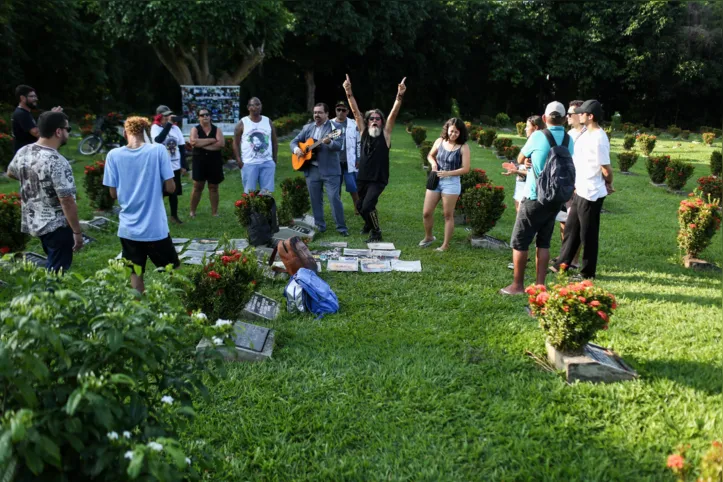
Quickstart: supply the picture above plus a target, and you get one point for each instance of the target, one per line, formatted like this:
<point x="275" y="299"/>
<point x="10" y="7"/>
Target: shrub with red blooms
<point x="98" y="194"/>
<point x="711" y="186"/>
<point x="512" y="152"/>
<point x="656" y="166"/>
<point x="11" y="238"/>
<point x="711" y="464"/>
<point x="222" y="287"/>
<point x="698" y="221"/>
<point x="468" y="181"/>
<point x="677" y="173"/>
<point x="483" y="207"/>
<point x="646" y="143"/>
<point x="571" y="314"/>
<point x="256" y="202"/>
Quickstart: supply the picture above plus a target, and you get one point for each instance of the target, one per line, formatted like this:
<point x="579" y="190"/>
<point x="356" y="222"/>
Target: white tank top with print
<point x="256" y="141"/>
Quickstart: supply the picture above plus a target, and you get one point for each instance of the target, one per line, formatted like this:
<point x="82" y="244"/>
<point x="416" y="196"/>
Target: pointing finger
<point x="347" y="78"/>
<point x="402" y="79"/>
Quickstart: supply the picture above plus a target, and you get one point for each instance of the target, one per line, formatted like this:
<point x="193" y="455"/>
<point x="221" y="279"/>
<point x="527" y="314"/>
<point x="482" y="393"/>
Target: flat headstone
<point x="179" y="240"/>
<point x="333" y="244"/>
<point x="488" y="242"/>
<point x="287" y="232"/>
<point x="87" y="239"/>
<point x="252" y="343"/>
<point x="699" y="264"/>
<point x="604" y="211"/>
<point x="239" y="244"/>
<point x="98" y="222"/>
<point x="194" y="246"/>
<point x="658" y="185"/>
<point x="307" y="221"/>
<point x="36" y="259"/>
<point x="594" y="364"/>
<point x="262" y="251"/>
<point x="261" y="307"/>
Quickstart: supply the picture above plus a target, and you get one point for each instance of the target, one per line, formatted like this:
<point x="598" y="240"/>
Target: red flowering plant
<point x="468" y="181"/>
<point x="6" y="150"/>
<point x="677" y="174"/>
<point x="571" y="314"/>
<point x="221" y="288"/>
<point x="711" y="463"/>
<point x="512" y="152"/>
<point x="98" y="194"/>
<point x="500" y="143"/>
<point x="646" y="143"/>
<point x="11" y="238"/>
<point x="711" y="185"/>
<point x="698" y="221"/>
<point x="253" y="202"/>
<point x="708" y="138"/>
<point x="656" y="168"/>
<point x="4" y="127"/>
<point x="294" y="199"/>
<point x="86" y="124"/>
<point x="483" y="207"/>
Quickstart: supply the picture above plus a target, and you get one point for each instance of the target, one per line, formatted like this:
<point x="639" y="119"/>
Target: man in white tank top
<point x="255" y="149"/>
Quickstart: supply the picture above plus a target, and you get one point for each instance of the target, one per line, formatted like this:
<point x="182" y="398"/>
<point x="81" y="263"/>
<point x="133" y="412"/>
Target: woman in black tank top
<point x="450" y="158"/>
<point x="207" y="141"/>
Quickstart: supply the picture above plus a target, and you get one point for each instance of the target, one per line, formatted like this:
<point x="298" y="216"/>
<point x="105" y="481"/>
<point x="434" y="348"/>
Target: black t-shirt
<point x="22" y="122"/>
<point x="374" y="162"/>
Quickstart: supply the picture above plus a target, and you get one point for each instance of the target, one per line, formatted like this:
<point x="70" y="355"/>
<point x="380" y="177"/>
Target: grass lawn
<point x="423" y="376"/>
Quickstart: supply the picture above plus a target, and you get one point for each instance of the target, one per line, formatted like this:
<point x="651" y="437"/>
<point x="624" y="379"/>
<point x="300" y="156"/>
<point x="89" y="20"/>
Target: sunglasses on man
<point x="204" y="115"/>
<point x="341" y="109"/>
<point x="375" y="118"/>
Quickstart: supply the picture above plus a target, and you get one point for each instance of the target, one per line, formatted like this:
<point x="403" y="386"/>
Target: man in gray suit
<point x="324" y="169"/>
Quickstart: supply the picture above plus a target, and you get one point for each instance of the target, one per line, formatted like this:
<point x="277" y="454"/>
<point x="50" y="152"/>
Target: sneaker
<point x="365" y="230"/>
<point x="375" y="237"/>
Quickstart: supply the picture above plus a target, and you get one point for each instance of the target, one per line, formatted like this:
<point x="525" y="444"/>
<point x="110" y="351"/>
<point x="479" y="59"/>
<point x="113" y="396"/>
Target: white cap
<point x="555" y="107"/>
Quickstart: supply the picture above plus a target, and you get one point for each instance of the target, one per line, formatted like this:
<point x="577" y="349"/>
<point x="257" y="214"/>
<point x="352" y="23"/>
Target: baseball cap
<point x="341" y="103"/>
<point x="591" y="107"/>
<point x="163" y="109"/>
<point x="555" y="108"/>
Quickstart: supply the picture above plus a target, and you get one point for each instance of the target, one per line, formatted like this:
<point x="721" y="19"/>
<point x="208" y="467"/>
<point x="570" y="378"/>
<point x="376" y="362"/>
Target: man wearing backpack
<point x="593" y="182"/>
<point x="535" y="218"/>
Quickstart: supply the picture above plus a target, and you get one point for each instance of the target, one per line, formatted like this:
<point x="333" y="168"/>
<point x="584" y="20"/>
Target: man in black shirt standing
<point x="25" y="131"/>
<point x="373" y="174"/>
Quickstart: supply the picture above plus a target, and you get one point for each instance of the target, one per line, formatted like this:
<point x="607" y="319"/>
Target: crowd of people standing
<point x="351" y="152"/>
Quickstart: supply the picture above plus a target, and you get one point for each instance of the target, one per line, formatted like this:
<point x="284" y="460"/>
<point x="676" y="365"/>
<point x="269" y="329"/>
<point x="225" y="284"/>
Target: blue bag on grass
<point x="318" y="296"/>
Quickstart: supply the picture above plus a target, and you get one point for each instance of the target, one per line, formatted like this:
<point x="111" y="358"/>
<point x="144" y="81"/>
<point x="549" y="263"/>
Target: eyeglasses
<point x="67" y="128"/>
<point x="204" y="115"/>
<point x="375" y="118"/>
<point x="570" y="114"/>
<point x="341" y="109"/>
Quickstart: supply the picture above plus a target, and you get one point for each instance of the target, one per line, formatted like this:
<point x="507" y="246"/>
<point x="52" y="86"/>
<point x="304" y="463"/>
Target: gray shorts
<point x="533" y="219"/>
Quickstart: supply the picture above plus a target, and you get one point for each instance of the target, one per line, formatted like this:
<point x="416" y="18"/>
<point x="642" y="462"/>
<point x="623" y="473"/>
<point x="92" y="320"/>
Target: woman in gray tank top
<point x="450" y="158"/>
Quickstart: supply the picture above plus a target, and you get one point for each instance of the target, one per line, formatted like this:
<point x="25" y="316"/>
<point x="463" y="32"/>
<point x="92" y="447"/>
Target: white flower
<point x="163" y="315"/>
<point x="167" y="399"/>
<point x="217" y="341"/>
<point x="127" y="434"/>
<point x="113" y="435"/>
<point x="220" y="323"/>
<point x="188" y="461"/>
<point x="200" y="316"/>
<point x="155" y="446"/>
<point x="128" y="455"/>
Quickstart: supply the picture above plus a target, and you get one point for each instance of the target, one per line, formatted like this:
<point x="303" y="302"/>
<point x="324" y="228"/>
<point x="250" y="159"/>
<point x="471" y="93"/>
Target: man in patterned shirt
<point x="47" y="190"/>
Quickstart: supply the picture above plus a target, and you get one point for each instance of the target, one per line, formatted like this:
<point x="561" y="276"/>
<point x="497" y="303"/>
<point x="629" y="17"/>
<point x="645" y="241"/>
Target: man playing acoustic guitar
<point x="376" y="139"/>
<point x="323" y="170"/>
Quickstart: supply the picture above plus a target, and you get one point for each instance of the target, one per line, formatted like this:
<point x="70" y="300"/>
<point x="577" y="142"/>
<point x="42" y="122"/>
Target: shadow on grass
<point x="697" y="375"/>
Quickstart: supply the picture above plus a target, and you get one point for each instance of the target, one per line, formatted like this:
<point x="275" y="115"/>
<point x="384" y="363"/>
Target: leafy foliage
<point x="512" y="152"/>
<point x="6" y="150"/>
<point x="252" y="202"/>
<point x="571" y="314"/>
<point x="626" y="160"/>
<point x="97" y="380"/>
<point x="284" y="125"/>
<point x="294" y="199"/>
<point x="711" y="186"/>
<point x="426" y="146"/>
<point x="11" y="237"/>
<point x="646" y="143"/>
<point x="698" y="221"/>
<point x="98" y="194"/>
<point x="487" y="137"/>
<point x="674" y="131"/>
<point x="484" y="205"/>
<point x="521" y="128"/>
<point x="221" y="288"/>
<point x="500" y="144"/>
<point x="419" y="134"/>
<point x="656" y="166"/>
<point x="708" y="138"/>
<point x="628" y="141"/>
<point x="677" y="173"/>
<point x="716" y="163"/>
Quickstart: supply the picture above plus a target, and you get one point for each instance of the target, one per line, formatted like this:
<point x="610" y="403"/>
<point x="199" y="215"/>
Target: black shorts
<point x="177" y="180"/>
<point x="533" y="219"/>
<point x="210" y="170"/>
<point x="162" y="252"/>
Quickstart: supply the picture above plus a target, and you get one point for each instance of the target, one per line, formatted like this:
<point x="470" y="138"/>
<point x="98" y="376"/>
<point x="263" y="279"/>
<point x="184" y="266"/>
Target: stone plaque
<point x="593" y="364"/>
<point x="206" y="247"/>
<point x="307" y="221"/>
<point x="36" y="259"/>
<point x="261" y="307"/>
<point x="239" y="243"/>
<point x="488" y="242"/>
<point x="179" y="240"/>
<point x="251" y="337"/>
<point x="286" y="232"/>
<point x="263" y="250"/>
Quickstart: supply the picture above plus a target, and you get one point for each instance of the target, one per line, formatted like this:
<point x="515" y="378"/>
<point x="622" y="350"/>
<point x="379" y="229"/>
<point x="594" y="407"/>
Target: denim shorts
<point x="261" y="174"/>
<point x="449" y="185"/>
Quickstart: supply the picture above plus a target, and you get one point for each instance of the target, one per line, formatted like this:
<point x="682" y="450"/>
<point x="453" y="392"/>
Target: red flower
<point x="530" y="290"/>
<point x="239" y="203"/>
<point x="5" y="250"/>
<point x="586" y="283"/>
<point x="563" y="291"/>
<point x="582" y="299"/>
<point x="594" y="303"/>
<point x="213" y="274"/>
<point x="253" y="282"/>
<point x="478" y="186"/>
<point x="542" y="298"/>
<point x="676" y="461"/>
<point x="692" y="226"/>
<point x="602" y="315"/>
<point x="565" y="308"/>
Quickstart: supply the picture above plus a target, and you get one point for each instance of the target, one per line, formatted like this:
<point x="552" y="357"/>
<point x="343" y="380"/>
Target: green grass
<point x="423" y="376"/>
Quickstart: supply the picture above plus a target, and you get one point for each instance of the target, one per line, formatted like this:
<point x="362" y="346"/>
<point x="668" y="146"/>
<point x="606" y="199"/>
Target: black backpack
<point x="556" y="182"/>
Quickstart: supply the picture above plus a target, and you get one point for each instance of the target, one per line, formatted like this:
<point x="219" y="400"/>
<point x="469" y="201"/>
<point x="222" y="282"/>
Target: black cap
<point x="341" y="103"/>
<point x="591" y="107"/>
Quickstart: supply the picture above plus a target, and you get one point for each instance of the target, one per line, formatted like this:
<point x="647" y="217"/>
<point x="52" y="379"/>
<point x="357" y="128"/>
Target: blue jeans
<point x="316" y="183"/>
<point x="349" y="179"/>
<point x="261" y="174"/>
<point x="58" y="246"/>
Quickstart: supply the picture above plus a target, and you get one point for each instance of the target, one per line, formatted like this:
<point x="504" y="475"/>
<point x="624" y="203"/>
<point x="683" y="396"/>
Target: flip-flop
<point x="441" y="250"/>
<point x="424" y="244"/>
<point x="507" y="293"/>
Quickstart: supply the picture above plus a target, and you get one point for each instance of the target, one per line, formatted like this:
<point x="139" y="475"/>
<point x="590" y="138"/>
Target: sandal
<point x="424" y="243"/>
<point x="441" y="250"/>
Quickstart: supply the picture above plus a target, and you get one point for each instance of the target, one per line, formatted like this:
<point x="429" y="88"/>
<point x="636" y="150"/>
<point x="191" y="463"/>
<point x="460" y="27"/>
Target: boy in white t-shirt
<point x="593" y="182"/>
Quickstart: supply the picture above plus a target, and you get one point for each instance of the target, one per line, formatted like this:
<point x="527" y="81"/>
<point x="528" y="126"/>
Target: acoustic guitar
<point x="298" y="162"/>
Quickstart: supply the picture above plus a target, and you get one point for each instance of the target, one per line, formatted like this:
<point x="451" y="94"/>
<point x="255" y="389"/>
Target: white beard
<point x="375" y="131"/>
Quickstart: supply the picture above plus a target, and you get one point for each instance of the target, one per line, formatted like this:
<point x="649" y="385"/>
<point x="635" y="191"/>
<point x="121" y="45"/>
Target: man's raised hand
<point x="401" y="89"/>
<point x="347" y="85"/>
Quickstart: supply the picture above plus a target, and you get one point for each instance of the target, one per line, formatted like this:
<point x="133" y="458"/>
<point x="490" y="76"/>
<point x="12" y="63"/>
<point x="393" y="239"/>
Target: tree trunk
<point x="310" y="90"/>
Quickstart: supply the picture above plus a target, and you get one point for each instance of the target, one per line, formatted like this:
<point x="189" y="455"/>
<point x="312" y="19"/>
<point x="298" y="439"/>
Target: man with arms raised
<point x="136" y="175"/>
<point x="256" y="149"/>
<point x="376" y="140"/>
<point x="47" y="189"/>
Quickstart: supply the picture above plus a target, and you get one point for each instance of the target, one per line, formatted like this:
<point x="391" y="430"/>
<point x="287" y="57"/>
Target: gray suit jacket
<point x="327" y="154"/>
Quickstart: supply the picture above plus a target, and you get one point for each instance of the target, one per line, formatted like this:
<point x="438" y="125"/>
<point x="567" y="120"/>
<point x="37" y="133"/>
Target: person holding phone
<point x="165" y="131"/>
